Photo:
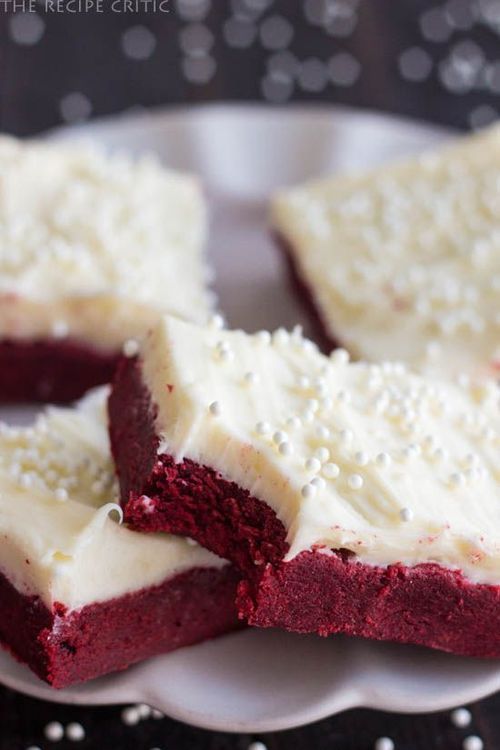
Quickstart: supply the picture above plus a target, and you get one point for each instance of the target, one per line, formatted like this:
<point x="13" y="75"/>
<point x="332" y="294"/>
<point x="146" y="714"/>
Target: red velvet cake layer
<point x="319" y="331"/>
<point x="53" y="370"/>
<point x="64" y="648"/>
<point x="315" y="592"/>
<point x="183" y="498"/>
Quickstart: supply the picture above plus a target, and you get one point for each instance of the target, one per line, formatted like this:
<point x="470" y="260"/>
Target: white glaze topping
<point x="388" y="464"/>
<point x="404" y="262"/>
<point x="96" y="247"/>
<point x="59" y="530"/>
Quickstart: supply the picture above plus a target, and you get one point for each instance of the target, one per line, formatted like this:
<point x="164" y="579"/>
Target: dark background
<point x="432" y="61"/>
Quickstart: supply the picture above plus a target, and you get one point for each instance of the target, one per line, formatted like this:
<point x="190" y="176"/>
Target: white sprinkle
<point x="263" y="337"/>
<point x="322" y="432"/>
<point x="226" y="355"/>
<point x="157" y="715"/>
<point x="130" y="348"/>
<point x="251" y="378"/>
<point x="346" y="436"/>
<point x="326" y="403"/>
<point x="308" y="491"/>
<point x="355" y="482"/>
<point x="473" y="742"/>
<point x="61" y="494"/>
<point x="293" y="423"/>
<point x="383" y="459"/>
<point x="217" y="322"/>
<point x="280" y="437"/>
<point x="322" y="453"/>
<point x="411" y="451"/>
<point x="361" y="458"/>
<point x="215" y="409"/>
<point x="75" y="732"/>
<point x="130" y="716"/>
<point x="318" y="482"/>
<point x="383" y="743"/>
<point x="340" y="357"/>
<point x="312" y="404"/>
<point x="457" y="479"/>
<point x="54" y="731"/>
<point x="144" y="710"/>
<point x="285" y="448"/>
<point x="257" y="746"/>
<point x="313" y="464"/>
<point x="303" y="382"/>
<point x="263" y="428"/>
<point x="331" y="471"/>
<point x="281" y="337"/>
<point x="406" y="515"/>
<point x="60" y="329"/>
<point x="461" y="717"/>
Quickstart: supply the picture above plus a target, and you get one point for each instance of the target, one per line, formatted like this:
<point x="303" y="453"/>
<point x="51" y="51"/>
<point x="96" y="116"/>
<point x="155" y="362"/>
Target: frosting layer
<point x="96" y="247"/>
<point x="393" y="466"/>
<point x="59" y="530"/>
<point x="404" y="262"/>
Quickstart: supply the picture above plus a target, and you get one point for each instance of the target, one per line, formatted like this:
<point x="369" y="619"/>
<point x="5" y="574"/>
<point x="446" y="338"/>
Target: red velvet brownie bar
<point x="89" y="244"/>
<point x="354" y="498"/>
<point x="80" y="595"/>
<point x="403" y="262"/>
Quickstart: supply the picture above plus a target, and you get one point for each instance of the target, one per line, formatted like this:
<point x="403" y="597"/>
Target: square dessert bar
<point x="403" y="262"/>
<point x="354" y="498"/>
<point x="80" y="595"/>
<point x="93" y="249"/>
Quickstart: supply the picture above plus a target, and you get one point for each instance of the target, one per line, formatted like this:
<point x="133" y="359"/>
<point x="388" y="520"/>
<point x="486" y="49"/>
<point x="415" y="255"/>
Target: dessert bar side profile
<point x="345" y="493"/>
<point x="81" y="595"/>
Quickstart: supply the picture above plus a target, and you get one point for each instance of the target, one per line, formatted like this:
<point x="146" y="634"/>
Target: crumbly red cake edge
<point x="66" y="647"/>
<point x="306" y="298"/>
<point x="317" y="591"/>
<point x="55" y="370"/>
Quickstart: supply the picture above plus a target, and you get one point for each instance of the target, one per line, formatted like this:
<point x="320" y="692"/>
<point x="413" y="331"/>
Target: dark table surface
<point x="428" y="60"/>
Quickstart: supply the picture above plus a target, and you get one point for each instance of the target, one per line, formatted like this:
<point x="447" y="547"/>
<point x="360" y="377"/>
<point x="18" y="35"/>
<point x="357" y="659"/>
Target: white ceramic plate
<point x="258" y="681"/>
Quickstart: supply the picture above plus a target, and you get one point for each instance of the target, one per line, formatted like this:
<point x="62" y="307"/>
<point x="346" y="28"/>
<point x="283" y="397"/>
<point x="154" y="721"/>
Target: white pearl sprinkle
<point x="383" y="459"/>
<point x="383" y="743"/>
<point x="303" y="382"/>
<point x="60" y="329"/>
<point x="322" y="432"/>
<point x="226" y="355"/>
<point x="318" y="482"/>
<point x="257" y="746"/>
<point x="331" y="471"/>
<point x="346" y="436"/>
<point x="322" y="453"/>
<point x="263" y="337"/>
<point x="457" y="479"/>
<point x="355" y="482"/>
<point x="61" y="494"/>
<point x="361" y="458"/>
<point x="215" y="409"/>
<point x="75" y="732"/>
<point x="217" y="322"/>
<point x="343" y="397"/>
<point x="263" y="428"/>
<point x="54" y="731"/>
<point x="143" y="708"/>
<point x="312" y="404"/>
<point x="461" y="717"/>
<point x="406" y="515"/>
<point x="251" y="378"/>
<point x="285" y="448"/>
<point x="130" y="716"/>
<point x="473" y="742"/>
<point x="293" y="423"/>
<point x="280" y="437"/>
<point x="308" y="491"/>
<point x="313" y="464"/>
<point x="340" y="357"/>
<point x="130" y="348"/>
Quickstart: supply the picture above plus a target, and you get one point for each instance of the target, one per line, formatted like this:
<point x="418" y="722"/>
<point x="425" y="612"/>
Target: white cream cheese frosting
<point x="96" y="247"/>
<point x="394" y="466"/>
<point x="404" y="262"/>
<point x="59" y="519"/>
